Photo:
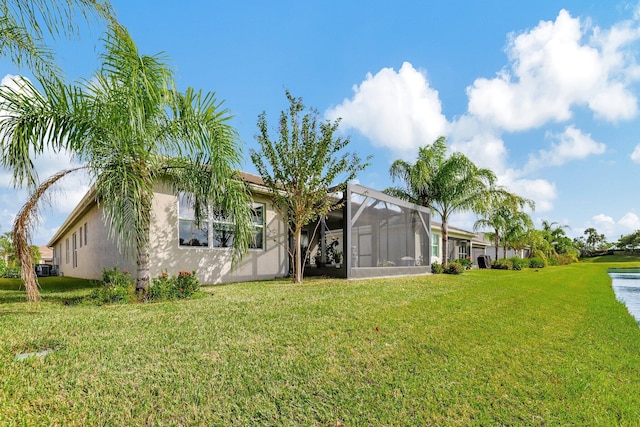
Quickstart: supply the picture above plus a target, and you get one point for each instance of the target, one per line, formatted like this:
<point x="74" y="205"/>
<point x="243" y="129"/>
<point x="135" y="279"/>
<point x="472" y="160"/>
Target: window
<point x="75" y="250"/>
<point x="66" y="250"/>
<point x="257" y="210"/>
<point x="85" y="234"/>
<point x="435" y="245"/>
<point x="189" y="234"/>
<point x="462" y="250"/>
<point x="216" y="229"/>
<point x="223" y="232"/>
<point x="80" y="236"/>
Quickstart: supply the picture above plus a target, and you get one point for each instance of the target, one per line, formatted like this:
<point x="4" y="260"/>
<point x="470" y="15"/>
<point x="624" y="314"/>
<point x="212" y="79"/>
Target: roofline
<point x="253" y="182"/>
<point x="85" y="203"/>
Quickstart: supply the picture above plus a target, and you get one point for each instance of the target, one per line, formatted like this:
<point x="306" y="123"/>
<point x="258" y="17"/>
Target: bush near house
<point x="502" y="264"/>
<point x="454" y="267"/>
<point x="518" y="263"/>
<point x="437" y="268"/>
<point x="537" y="262"/>
<point x="466" y="263"/>
<point x="118" y="287"/>
<point x="166" y="287"/>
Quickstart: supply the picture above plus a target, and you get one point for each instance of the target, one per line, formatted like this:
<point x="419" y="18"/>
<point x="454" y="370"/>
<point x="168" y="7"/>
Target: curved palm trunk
<point x="497" y="242"/>
<point x="22" y="226"/>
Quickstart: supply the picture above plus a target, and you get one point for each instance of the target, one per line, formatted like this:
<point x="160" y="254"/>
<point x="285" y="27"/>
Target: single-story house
<point x="461" y="244"/>
<point x="379" y="234"/>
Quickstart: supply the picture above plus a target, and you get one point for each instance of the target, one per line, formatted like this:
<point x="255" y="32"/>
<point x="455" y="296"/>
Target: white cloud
<point x="479" y="142"/>
<point x="605" y="224"/>
<point x="541" y="191"/>
<point x="602" y="219"/>
<point x="397" y="110"/>
<point x="552" y="70"/>
<point x="630" y="221"/>
<point x="572" y="144"/>
<point x="635" y="156"/>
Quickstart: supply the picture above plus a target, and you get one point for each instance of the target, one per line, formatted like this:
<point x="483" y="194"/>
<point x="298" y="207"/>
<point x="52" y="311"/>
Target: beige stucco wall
<point x="213" y="265"/>
<point x="97" y="253"/>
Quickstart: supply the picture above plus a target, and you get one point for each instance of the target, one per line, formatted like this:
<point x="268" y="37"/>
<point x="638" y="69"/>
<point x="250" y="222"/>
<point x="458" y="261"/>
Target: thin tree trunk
<point x="297" y="274"/>
<point x="445" y="240"/>
<point x="497" y="242"/>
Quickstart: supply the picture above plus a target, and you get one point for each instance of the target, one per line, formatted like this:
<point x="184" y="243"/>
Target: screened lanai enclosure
<point x="371" y="235"/>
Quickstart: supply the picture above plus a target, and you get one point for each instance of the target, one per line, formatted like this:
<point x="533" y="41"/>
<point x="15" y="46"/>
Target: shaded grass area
<point x="488" y="347"/>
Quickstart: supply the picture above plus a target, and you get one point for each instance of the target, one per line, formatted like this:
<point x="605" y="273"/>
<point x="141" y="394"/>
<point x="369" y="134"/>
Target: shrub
<point x="454" y="267"/>
<point x="565" y="259"/>
<point x="166" y="287"/>
<point x="436" y="268"/>
<point x="117" y="287"/>
<point x="466" y="262"/>
<point x="518" y="263"/>
<point x="537" y="263"/>
<point x="502" y="264"/>
<point x="9" y="272"/>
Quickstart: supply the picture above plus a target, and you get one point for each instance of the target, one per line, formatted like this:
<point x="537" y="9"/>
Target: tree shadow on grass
<point x="52" y="289"/>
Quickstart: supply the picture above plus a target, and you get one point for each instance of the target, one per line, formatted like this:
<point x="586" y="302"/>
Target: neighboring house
<point x="491" y="250"/>
<point x="382" y="236"/>
<point x="46" y="255"/>
<point x="461" y="244"/>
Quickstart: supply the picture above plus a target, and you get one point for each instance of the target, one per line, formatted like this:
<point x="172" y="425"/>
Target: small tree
<point x="300" y="167"/>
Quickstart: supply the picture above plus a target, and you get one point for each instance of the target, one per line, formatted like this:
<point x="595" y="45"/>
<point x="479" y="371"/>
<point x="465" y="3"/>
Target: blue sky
<point x="543" y="93"/>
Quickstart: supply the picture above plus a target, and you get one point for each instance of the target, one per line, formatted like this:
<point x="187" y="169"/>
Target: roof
<point x="476" y="237"/>
<point x="255" y="182"/>
<point x="45" y="252"/>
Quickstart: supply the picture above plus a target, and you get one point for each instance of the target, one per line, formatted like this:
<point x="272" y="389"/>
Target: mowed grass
<point x="546" y="347"/>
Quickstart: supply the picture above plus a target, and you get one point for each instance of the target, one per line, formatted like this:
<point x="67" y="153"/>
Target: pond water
<point x="626" y="285"/>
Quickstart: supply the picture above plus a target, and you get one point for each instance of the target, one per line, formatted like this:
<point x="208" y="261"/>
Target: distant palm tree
<point x="503" y="213"/>
<point x="24" y="24"/>
<point x="552" y="233"/>
<point x="446" y="184"/>
<point x="6" y="248"/>
<point x="132" y="129"/>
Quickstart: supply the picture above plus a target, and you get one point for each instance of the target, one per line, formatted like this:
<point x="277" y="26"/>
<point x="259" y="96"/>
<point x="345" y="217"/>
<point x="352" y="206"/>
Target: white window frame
<point x="435" y="245"/>
<point x="213" y="222"/>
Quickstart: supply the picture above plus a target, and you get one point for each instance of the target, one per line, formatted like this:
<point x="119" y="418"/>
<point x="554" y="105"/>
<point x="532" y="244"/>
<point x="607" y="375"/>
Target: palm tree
<point x="24" y="24"/>
<point x="447" y="185"/>
<point x="7" y="254"/>
<point x="517" y="225"/>
<point x="553" y="234"/>
<point x="132" y="129"/>
<point x="503" y="214"/>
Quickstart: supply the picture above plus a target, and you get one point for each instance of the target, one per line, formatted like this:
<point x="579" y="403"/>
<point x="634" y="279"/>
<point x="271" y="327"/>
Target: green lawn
<point x="546" y="347"/>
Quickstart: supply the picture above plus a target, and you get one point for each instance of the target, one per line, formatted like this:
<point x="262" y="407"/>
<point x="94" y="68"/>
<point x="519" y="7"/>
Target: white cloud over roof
<point x="394" y="109"/>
